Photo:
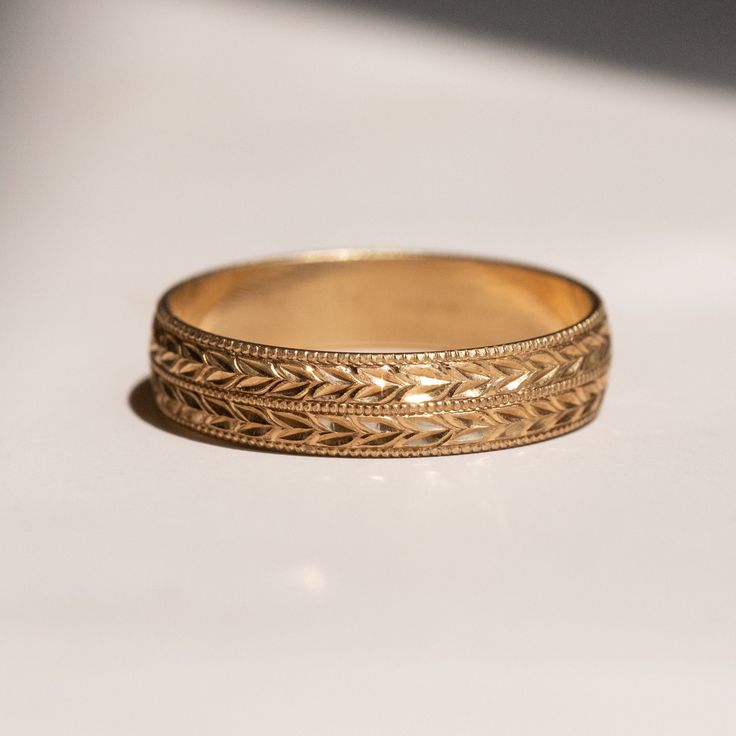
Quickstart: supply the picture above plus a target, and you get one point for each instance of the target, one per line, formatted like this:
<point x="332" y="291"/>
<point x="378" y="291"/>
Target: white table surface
<point x="152" y="584"/>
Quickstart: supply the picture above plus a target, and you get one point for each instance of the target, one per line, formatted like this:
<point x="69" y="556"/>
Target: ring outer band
<point x="364" y="404"/>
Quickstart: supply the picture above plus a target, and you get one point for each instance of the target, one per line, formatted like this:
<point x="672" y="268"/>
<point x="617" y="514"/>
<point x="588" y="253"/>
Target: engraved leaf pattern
<point x="415" y="384"/>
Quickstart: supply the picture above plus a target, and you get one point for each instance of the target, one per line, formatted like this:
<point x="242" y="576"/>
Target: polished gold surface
<point x="374" y="354"/>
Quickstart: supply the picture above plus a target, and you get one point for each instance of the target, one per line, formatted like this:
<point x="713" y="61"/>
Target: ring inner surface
<point x="392" y="304"/>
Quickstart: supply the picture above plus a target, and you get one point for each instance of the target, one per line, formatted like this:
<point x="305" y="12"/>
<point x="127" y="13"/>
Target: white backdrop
<point x="154" y="584"/>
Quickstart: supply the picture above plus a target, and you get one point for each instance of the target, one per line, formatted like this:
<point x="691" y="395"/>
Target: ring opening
<point x="365" y="302"/>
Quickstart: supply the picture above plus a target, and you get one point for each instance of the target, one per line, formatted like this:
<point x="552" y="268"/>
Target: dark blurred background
<point x="695" y="40"/>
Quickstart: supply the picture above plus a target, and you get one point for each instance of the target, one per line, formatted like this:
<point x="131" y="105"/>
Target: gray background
<point x="152" y="584"/>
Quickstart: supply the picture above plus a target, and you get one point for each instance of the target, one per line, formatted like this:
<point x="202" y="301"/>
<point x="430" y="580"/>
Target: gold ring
<point x="375" y="354"/>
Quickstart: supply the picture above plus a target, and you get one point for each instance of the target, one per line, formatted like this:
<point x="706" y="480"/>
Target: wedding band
<point x="375" y="354"/>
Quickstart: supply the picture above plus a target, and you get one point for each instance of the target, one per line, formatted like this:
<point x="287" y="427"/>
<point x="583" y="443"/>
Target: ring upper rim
<point x="165" y="315"/>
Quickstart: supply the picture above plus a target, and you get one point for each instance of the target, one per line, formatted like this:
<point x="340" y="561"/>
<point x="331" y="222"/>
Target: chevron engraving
<point x="360" y="434"/>
<point x="417" y="384"/>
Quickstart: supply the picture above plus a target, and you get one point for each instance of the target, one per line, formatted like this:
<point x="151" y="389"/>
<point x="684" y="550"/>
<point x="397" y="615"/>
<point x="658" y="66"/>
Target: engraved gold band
<point x="389" y="354"/>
